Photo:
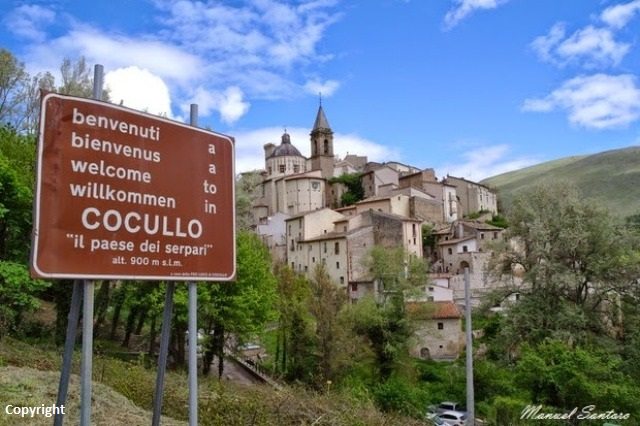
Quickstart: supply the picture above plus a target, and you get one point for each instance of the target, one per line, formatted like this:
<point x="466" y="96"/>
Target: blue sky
<point x="469" y="87"/>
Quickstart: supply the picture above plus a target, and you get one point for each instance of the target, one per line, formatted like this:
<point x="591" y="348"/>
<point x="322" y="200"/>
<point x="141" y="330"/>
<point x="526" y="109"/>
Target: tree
<point x="77" y="78"/>
<point x="13" y="78"/>
<point x="326" y="303"/>
<point x="385" y="322"/>
<point x="243" y="307"/>
<point x="576" y="265"/>
<point x="562" y="376"/>
<point x="15" y="205"/>
<point x="17" y="294"/>
<point x="295" y="343"/>
<point x="247" y="186"/>
<point x="33" y="88"/>
<point x="355" y="191"/>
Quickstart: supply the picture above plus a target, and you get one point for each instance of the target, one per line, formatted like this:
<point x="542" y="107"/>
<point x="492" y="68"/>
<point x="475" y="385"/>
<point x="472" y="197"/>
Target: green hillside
<point x="612" y="178"/>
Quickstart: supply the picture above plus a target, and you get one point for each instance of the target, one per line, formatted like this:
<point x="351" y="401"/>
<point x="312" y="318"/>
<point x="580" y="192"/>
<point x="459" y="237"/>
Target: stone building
<point x="439" y="332"/>
<point x="343" y="243"/>
<point x="444" y="195"/>
<point x="473" y="197"/>
<point x="464" y="244"/>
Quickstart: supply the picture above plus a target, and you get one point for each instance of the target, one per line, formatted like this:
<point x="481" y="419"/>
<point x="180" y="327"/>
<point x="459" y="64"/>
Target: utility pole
<point x="469" y="350"/>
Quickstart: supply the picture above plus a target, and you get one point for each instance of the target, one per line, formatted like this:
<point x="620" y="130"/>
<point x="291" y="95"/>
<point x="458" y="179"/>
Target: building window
<point x="482" y="235"/>
<point x="326" y="146"/>
<point x="341" y="280"/>
<point x="337" y="265"/>
<point x="313" y="260"/>
<point x="281" y="168"/>
<point x="269" y="169"/>
<point x="336" y="248"/>
<point x="306" y="268"/>
<point x="354" y="286"/>
<point x="440" y="326"/>
<point x="430" y="299"/>
<point x="414" y="232"/>
<point x="449" y="250"/>
<point x="296" y="168"/>
<point x="293" y="247"/>
<point x="495" y="235"/>
<point x="430" y="288"/>
<point x="465" y="249"/>
<point x="324" y="246"/>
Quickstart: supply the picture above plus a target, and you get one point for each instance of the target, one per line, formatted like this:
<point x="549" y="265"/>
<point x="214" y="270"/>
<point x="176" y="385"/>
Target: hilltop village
<point x="307" y="214"/>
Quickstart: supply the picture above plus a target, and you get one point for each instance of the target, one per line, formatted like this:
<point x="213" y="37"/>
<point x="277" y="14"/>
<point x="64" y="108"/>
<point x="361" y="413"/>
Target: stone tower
<point x="322" y="145"/>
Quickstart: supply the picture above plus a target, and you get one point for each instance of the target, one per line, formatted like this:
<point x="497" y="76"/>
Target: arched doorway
<point x="424" y="353"/>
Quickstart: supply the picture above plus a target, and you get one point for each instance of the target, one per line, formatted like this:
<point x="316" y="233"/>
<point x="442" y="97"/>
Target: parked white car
<point x="454" y="418"/>
<point x="447" y="406"/>
<point x="434" y="419"/>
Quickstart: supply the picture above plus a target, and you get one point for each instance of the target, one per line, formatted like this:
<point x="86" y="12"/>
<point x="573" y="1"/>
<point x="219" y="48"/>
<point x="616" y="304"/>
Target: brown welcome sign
<point x="126" y="195"/>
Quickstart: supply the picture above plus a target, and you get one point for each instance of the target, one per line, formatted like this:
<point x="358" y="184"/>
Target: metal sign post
<point x="164" y="352"/>
<point x="86" y="366"/>
<point x="193" y="328"/>
<point x="67" y="357"/>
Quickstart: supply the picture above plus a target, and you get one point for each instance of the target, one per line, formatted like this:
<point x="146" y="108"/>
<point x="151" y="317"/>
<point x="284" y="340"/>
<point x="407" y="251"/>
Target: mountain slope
<point x="611" y="178"/>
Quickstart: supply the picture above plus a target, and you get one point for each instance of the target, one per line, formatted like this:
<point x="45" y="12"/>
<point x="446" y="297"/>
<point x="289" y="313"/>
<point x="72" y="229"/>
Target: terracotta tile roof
<point x="434" y="310"/>
<point x="446" y="310"/>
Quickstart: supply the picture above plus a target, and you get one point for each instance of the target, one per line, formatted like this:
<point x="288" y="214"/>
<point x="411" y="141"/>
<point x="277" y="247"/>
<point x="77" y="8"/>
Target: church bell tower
<point x="322" y="145"/>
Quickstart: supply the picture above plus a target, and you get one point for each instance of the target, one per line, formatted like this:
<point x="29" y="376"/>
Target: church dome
<point x="285" y="149"/>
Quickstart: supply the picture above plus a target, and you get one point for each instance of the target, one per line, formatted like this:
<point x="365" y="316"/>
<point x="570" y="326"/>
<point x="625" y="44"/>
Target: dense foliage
<point x="355" y="191"/>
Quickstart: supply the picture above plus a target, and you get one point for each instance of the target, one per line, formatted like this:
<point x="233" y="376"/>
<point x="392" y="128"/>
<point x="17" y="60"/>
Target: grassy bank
<point x="29" y="375"/>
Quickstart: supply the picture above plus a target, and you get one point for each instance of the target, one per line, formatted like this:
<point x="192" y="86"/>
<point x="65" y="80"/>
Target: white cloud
<point x="590" y="45"/>
<point x="464" y="8"/>
<point x="229" y="103"/>
<point x="326" y="88"/>
<point x="250" y="143"/>
<point x="116" y="51"/>
<point x="598" y="101"/>
<point x="232" y="105"/>
<point x="543" y="45"/>
<point x="619" y="15"/>
<point x="267" y="35"/>
<point x="234" y="51"/>
<point x="28" y="21"/>
<point x="139" y="89"/>
<point x="485" y="161"/>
